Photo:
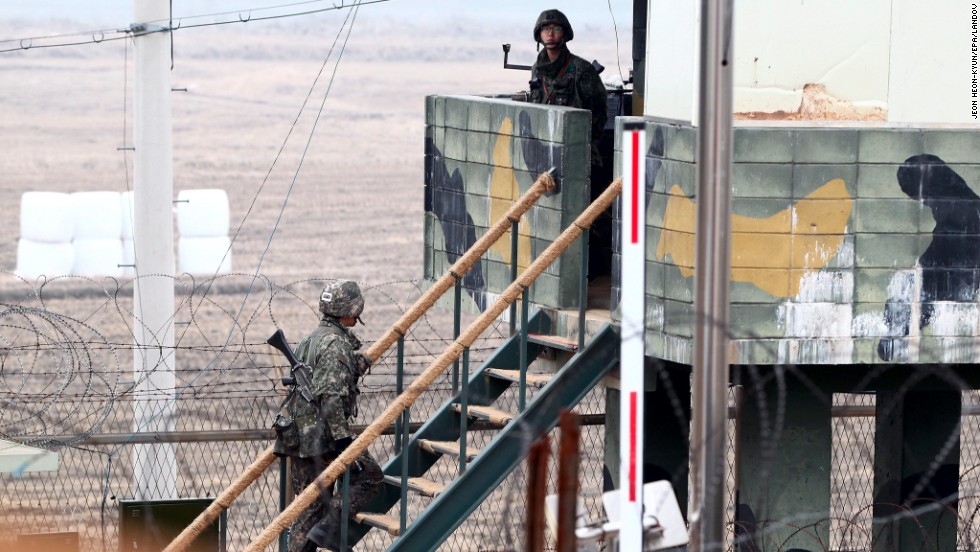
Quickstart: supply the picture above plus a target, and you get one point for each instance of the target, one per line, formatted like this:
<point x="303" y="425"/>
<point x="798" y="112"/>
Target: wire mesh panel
<point x="84" y="494"/>
<point x="853" y="473"/>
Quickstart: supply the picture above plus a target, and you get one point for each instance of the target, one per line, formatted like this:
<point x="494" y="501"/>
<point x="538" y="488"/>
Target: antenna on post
<point x="512" y="65"/>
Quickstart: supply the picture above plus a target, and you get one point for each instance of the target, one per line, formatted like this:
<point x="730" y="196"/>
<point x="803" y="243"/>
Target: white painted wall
<point x="932" y="61"/>
<point x="672" y="59"/>
<point x="913" y="61"/>
<point x="782" y="46"/>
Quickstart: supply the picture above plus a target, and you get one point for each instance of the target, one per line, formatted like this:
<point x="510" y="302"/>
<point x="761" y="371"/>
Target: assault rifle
<point x="300" y="375"/>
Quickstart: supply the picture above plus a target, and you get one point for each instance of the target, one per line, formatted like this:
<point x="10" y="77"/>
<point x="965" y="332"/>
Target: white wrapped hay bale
<point x="43" y="259"/>
<point x="126" y="208"/>
<point x="202" y="213"/>
<point x="98" y="215"/>
<point x="46" y="217"/>
<point x="204" y="255"/>
<point x="97" y="257"/>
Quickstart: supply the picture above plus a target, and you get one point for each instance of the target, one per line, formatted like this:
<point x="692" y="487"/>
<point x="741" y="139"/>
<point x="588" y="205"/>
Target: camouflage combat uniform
<point x="572" y="81"/>
<point x="366" y="477"/>
<point x="569" y="80"/>
<point x="330" y="351"/>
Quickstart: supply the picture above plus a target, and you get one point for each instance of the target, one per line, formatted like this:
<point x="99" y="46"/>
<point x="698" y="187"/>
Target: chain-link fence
<point x="68" y="386"/>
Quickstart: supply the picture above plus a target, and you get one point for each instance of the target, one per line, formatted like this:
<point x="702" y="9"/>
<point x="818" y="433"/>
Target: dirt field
<point x="355" y="208"/>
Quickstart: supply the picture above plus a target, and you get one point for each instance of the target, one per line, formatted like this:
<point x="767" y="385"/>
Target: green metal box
<point x="150" y="525"/>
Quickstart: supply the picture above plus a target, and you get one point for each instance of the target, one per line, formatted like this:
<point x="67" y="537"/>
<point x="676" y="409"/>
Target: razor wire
<point x="64" y="346"/>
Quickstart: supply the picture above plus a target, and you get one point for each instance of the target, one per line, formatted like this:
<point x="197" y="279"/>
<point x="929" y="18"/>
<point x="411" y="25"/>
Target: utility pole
<point x="154" y="466"/>
<point x="712" y="268"/>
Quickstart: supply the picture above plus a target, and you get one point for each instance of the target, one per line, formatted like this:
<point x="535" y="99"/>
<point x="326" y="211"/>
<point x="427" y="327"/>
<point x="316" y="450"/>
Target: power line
<point x="29" y="43"/>
<point x="616" y="31"/>
<point x="175" y="24"/>
<point x="240" y="19"/>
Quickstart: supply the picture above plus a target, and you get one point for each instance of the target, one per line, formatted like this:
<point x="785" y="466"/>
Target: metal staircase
<point x="483" y="470"/>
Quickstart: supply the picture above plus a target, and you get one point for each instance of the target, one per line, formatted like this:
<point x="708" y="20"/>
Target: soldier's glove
<point x="342" y="443"/>
<point x="363" y="363"/>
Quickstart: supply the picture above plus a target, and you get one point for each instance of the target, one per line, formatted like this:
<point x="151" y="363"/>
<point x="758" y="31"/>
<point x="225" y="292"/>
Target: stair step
<point x="381" y="521"/>
<point x="537" y="380"/>
<point x="490" y="414"/>
<point x="419" y="485"/>
<point x="553" y="341"/>
<point x="447" y="447"/>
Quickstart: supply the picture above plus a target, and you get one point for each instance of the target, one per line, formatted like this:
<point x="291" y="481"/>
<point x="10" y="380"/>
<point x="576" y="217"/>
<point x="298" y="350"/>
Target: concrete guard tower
<point x="854" y="232"/>
<point x="855" y="263"/>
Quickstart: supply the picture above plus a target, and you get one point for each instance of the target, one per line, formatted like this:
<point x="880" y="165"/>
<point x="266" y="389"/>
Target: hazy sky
<point x="115" y="13"/>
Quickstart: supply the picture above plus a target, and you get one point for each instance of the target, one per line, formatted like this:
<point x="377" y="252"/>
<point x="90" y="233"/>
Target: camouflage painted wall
<point x="849" y="244"/>
<point x="481" y="154"/>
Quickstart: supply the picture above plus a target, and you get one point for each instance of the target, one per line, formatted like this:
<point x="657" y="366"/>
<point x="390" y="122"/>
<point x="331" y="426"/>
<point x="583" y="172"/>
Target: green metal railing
<point x="460" y="371"/>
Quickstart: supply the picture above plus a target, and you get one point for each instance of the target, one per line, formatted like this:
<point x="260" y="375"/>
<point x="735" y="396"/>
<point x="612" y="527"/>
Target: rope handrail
<point x="460" y="267"/>
<point x="435" y="369"/>
<point x="543" y="184"/>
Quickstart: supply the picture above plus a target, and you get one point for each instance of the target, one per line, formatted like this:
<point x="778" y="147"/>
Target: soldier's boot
<point x="327" y="536"/>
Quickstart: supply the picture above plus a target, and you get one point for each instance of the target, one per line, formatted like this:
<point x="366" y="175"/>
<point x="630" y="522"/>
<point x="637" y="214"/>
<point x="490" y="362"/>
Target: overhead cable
<point x="175" y="24"/>
<point x="616" y="31"/>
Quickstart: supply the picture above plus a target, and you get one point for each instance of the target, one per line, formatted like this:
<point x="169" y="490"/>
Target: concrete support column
<point x="917" y="448"/>
<point x="785" y="441"/>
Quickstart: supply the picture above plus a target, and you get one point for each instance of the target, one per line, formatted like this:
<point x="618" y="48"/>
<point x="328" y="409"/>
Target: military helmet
<point x="553" y="17"/>
<point x="342" y="299"/>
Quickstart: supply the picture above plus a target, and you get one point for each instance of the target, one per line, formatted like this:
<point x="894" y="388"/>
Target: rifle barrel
<point x="278" y="340"/>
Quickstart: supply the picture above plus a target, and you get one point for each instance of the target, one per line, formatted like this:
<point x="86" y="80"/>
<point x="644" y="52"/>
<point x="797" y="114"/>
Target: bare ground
<point x="354" y="203"/>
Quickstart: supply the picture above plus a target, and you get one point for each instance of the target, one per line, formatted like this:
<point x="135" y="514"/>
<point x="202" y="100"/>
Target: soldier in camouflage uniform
<point x="559" y="77"/>
<point x="323" y="426"/>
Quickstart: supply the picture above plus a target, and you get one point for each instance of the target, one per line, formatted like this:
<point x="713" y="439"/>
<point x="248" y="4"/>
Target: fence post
<point x="457" y="305"/>
<point x="583" y="290"/>
<point x="399" y="384"/>
<point x="537" y="487"/>
<point x="513" y="270"/>
<point x="403" y="518"/>
<point x="522" y="392"/>
<point x="464" y="405"/>
<point x="345" y="510"/>
<point x="283" y="485"/>
<point x="568" y="483"/>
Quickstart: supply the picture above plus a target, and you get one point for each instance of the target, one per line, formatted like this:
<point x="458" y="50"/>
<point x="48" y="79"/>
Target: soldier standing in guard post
<point x="321" y="428"/>
<point x="559" y="77"/>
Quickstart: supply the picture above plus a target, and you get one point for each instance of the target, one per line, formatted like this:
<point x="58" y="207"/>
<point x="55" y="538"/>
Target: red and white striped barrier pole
<point x="632" y="357"/>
